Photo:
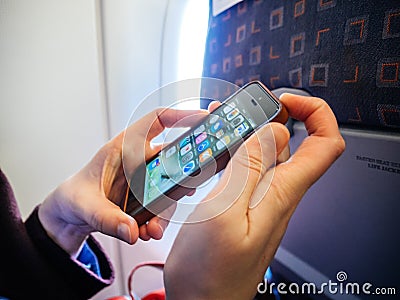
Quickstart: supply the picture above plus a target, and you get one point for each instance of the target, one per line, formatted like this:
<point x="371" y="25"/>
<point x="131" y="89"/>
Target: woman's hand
<point x="89" y="200"/>
<point x="227" y="256"/>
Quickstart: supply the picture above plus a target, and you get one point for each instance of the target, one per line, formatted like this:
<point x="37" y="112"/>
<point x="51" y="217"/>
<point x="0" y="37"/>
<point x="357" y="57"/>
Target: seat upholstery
<point x="346" y="52"/>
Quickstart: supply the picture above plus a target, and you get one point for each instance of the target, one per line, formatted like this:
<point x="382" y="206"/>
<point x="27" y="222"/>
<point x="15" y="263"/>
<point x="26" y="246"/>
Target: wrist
<point x="64" y="234"/>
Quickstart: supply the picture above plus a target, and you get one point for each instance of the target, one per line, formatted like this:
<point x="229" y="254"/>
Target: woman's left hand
<point x="89" y="200"/>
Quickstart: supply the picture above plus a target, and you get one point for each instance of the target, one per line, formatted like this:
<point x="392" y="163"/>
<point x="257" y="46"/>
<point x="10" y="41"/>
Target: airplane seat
<point x="348" y="53"/>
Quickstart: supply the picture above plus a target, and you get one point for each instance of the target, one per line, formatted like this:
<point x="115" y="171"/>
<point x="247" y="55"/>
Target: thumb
<point x="265" y="148"/>
<point x="247" y="167"/>
<point x="109" y="219"/>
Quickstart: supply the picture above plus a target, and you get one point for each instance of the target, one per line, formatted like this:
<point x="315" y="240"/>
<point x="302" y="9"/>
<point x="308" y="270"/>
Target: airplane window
<point x="192" y="39"/>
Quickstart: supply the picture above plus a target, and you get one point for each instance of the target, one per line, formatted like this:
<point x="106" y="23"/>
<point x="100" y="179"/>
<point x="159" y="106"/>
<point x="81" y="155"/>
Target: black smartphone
<point x="200" y="152"/>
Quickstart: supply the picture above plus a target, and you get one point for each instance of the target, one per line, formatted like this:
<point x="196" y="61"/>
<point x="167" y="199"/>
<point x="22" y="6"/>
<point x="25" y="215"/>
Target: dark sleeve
<point x="85" y="282"/>
<point x="32" y="266"/>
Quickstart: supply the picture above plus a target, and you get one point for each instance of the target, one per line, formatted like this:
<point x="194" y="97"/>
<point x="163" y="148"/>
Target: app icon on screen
<point x="201" y="137"/>
<point x="188" y="167"/>
<point x="217" y="126"/>
<point x="223" y="142"/>
<point x="154" y="163"/>
<point x="199" y="130"/>
<point x="213" y="119"/>
<point x="184" y="142"/>
<point x="205" y="155"/>
<point x="241" y="129"/>
<point x="228" y="108"/>
<point x="186" y="158"/>
<point x="186" y="149"/>
<point x="205" y="144"/>
<point x="232" y="114"/>
<point x="219" y="133"/>
<point x="236" y="121"/>
<point x="170" y="151"/>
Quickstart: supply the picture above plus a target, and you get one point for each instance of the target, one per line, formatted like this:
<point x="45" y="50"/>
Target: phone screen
<point x="222" y="128"/>
<point x="226" y="126"/>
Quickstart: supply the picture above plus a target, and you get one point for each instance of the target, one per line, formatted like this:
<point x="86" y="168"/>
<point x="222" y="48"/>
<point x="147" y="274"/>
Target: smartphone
<point x="201" y="152"/>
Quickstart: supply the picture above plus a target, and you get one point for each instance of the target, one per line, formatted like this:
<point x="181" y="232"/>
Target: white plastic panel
<point x="348" y="221"/>
<point x="52" y="114"/>
<point x="133" y="35"/>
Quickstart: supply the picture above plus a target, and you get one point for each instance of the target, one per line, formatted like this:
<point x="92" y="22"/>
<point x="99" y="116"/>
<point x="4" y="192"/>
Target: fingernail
<point x="282" y="95"/>
<point x="124" y="232"/>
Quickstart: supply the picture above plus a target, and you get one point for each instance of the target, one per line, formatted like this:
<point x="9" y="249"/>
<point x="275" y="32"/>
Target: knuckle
<point x="322" y="105"/>
<point x="338" y="145"/>
<point x="96" y="222"/>
<point x="255" y="163"/>
<point x="286" y="194"/>
<point x="281" y="197"/>
<point x="321" y="102"/>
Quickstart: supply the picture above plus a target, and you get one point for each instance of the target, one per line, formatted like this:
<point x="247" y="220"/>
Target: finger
<point x="323" y="145"/>
<point x="284" y="155"/>
<point x="314" y="112"/>
<point x="247" y="167"/>
<point x="193" y="119"/>
<point x="281" y="137"/>
<point x="191" y="192"/>
<point x="291" y="179"/>
<point x="262" y="153"/>
<point x="143" y="233"/>
<point x="180" y="118"/>
<point x="155" y="228"/>
<point x="213" y="106"/>
<point x="109" y="219"/>
<point x="137" y="137"/>
<point x="156" y="121"/>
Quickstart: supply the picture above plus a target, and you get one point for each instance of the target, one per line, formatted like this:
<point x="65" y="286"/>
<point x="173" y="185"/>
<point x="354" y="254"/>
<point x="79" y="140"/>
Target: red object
<point x="156" y="295"/>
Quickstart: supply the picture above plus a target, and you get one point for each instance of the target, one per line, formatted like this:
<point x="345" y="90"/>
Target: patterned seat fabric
<point x="344" y="51"/>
